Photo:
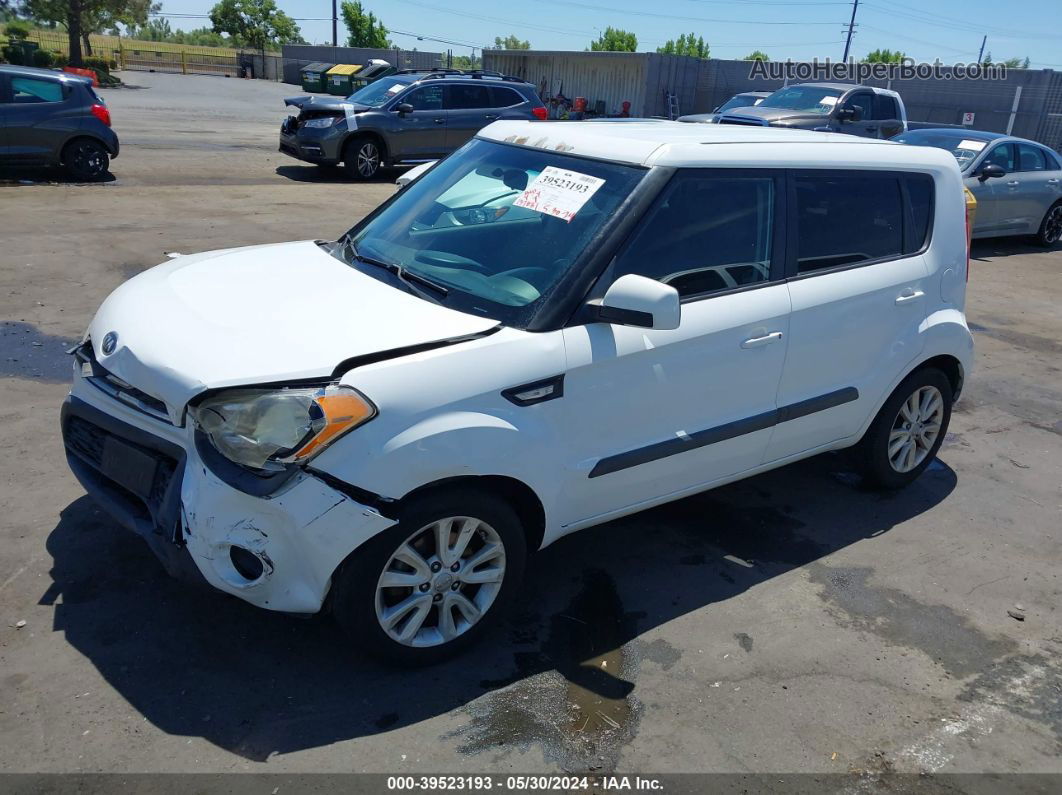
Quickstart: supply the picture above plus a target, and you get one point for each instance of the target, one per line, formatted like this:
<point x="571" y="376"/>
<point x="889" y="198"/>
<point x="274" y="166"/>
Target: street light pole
<point x="335" y="20"/>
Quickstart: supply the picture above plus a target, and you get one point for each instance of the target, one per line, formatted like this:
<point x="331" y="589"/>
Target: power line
<point x="628" y="12"/>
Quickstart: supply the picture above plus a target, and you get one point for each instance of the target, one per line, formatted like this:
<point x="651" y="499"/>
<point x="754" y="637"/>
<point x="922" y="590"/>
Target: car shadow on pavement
<point x="319" y="174"/>
<point x="40" y="175"/>
<point x="991" y="248"/>
<point x="198" y="663"/>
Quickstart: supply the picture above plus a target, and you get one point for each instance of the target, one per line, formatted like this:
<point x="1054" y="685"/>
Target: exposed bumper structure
<point x="278" y="552"/>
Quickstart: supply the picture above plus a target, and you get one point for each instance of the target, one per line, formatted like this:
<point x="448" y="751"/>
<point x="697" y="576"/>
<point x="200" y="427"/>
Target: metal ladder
<point x="671" y="99"/>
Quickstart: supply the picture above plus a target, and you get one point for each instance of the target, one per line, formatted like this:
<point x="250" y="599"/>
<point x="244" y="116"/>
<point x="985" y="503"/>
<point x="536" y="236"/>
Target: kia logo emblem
<point x="110" y="342"/>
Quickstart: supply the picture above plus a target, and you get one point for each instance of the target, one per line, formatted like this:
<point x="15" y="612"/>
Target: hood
<point x="773" y="115"/>
<point x="323" y="102"/>
<point x="699" y="118"/>
<point x="255" y="315"/>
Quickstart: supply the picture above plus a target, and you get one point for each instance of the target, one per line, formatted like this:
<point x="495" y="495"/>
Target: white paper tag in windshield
<point x="973" y="146"/>
<point x="352" y="120"/>
<point x="559" y="192"/>
<point x="828" y="101"/>
<point x="395" y="88"/>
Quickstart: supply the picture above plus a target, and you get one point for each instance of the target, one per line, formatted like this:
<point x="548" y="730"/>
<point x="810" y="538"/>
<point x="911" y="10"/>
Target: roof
<point x="846" y="87"/>
<point x="673" y="143"/>
<point x="33" y="71"/>
<point x="961" y="132"/>
<point x="344" y="69"/>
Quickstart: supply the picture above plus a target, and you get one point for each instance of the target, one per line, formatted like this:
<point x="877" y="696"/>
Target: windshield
<point x="496" y="225"/>
<point x="965" y="149"/>
<point x="376" y="94"/>
<point x="810" y="99"/>
<point x="740" y="101"/>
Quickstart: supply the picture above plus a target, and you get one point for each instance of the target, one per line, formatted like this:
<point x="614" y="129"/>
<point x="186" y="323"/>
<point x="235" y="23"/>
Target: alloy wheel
<point x="88" y="160"/>
<point x="1053" y="225"/>
<point x="916" y="428"/>
<point x="440" y="581"/>
<point x="368" y="159"/>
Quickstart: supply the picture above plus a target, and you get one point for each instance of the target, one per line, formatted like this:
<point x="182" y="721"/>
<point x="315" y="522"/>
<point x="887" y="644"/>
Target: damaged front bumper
<point x="278" y="552"/>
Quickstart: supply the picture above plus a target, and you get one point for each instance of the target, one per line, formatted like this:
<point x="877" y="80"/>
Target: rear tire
<point x="403" y="621"/>
<point x="363" y="158"/>
<point x="86" y="160"/>
<point x="906" y="434"/>
<point x="1051" y="227"/>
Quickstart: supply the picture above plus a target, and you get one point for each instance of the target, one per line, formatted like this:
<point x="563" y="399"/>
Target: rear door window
<point x="466" y="97"/>
<point x="847" y="218"/>
<point x="30" y="90"/>
<point x="885" y="107"/>
<point x="1031" y="158"/>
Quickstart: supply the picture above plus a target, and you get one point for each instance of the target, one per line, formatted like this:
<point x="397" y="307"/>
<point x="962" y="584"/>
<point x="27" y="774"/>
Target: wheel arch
<point x="79" y="135"/>
<point x="525" y="501"/>
<point x="379" y="140"/>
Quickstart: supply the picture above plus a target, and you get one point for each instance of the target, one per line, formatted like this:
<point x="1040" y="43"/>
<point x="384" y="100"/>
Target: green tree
<point x="884" y="56"/>
<point x="254" y="23"/>
<point x="467" y="62"/>
<point x="686" y="45"/>
<point x="615" y="40"/>
<point x="1016" y="63"/>
<point x="987" y="60"/>
<point x="81" y="17"/>
<point x="364" y="28"/>
<point x="511" y="42"/>
<point x="757" y="55"/>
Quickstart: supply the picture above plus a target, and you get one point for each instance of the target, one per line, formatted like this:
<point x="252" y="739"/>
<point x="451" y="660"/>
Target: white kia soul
<point x="555" y="326"/>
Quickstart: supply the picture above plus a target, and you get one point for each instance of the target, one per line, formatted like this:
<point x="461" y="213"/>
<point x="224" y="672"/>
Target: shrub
<point x="17" y="30"/>
<point x="12" y="54"/>
<point x="43" y="58"/>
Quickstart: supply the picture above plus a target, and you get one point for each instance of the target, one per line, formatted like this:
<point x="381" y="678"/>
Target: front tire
<point x="907" y="433"/>
<point x="363" y="158"/>
<point x="1051" y="227"/>
<point x="429" y="587"/>
<point x="86" y="160"/>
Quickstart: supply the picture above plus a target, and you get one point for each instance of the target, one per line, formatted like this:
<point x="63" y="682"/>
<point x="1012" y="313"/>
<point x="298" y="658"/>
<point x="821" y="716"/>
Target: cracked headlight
<point x="272" y="429"/>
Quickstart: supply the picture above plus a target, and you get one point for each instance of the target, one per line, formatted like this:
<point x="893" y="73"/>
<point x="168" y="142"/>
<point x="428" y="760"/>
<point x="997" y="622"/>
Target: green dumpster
<point x="339" y="77"/>
<point x="313" y="77"/>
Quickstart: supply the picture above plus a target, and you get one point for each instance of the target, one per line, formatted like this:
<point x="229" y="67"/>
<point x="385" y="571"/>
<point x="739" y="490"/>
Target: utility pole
<point x="981" y="54"/>
<point x="335" y="20"/>
<point x="851" y="30"/>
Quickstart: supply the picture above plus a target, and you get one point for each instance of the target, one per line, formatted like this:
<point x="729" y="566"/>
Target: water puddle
<point x="573" y="697"/>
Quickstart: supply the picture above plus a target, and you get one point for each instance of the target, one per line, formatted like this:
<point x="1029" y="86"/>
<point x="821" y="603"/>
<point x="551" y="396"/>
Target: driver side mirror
<point x="990" y="170"/>
<point x="403" y="108"/>
<point x="854" y="113"/>
<point x="635" y="300"/>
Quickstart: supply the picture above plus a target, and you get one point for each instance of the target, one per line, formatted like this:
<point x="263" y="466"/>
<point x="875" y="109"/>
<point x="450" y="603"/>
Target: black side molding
<point x="720" y="433"/>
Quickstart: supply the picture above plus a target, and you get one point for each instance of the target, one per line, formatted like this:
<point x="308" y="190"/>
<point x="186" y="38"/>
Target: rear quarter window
<point x="30" y="90"/>
<point x="920" y="193"/>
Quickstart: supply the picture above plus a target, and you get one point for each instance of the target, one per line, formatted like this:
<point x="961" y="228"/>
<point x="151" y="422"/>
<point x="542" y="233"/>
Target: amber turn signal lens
<point x="342" y="412"/>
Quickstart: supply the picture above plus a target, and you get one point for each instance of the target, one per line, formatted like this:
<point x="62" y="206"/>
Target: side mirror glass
<point x="635" y="300"/>
<point x="403" y="108"/>
<point x="990" y="171"/>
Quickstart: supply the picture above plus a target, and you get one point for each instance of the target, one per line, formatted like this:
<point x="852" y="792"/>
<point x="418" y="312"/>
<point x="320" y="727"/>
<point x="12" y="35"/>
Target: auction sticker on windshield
<point x="973" y="146"/>
<point x="559" y="192"/>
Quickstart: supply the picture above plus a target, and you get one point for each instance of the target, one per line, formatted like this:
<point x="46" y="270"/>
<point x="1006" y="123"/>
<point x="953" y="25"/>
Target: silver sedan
<point x="1017" y="182"/>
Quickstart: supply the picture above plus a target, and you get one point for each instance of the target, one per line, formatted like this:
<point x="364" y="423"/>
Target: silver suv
<point x="412" y="116"/>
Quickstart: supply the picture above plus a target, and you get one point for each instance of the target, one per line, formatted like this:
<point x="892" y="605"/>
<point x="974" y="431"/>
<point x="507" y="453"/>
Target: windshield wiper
<point x="406" y="276"/>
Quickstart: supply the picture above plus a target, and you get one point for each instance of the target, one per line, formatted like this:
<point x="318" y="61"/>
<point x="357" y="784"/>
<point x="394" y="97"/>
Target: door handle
<point x="491" y="116"/>
<point x="1013" y="184"/>
<point x="759" y="342"/>
<point x="909" y="295"/>
<point x="1052" y="181"/>
<point x="440" y="121"/>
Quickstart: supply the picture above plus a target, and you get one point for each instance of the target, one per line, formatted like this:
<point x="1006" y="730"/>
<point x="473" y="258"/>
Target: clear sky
<point x="950" y="30"/>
